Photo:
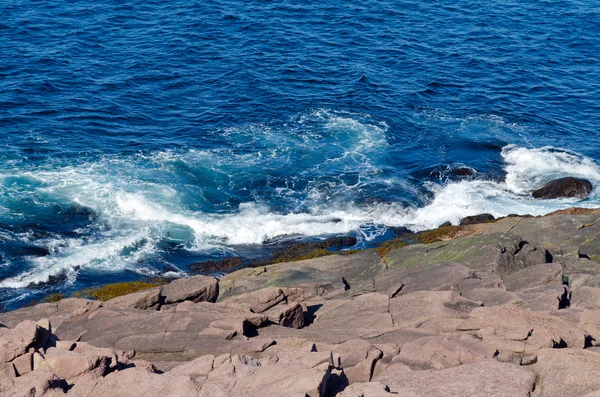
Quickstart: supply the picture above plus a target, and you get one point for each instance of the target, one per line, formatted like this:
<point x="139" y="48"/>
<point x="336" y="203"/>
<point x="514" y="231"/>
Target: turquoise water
<point x="139" y="138"/>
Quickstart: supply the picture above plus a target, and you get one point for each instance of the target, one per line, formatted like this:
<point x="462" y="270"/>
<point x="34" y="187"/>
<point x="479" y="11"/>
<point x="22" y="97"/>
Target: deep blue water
<point x="138" y="137"/>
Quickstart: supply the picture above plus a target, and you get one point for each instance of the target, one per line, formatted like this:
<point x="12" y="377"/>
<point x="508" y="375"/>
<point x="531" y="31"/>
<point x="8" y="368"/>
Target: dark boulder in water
<point x="34" y="250"/>
<point x="339" y="242"/>
<point x="474" y="219"/>
<point x="447" y="172"/>
<point x="463" y="171"/>
<point x="568" y="187"/>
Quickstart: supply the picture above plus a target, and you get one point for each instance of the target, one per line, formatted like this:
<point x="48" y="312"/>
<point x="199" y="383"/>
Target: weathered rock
<point x="14" y="342"/>
<point x="564" y="187"/>
<point x="324" y="278"/>
<point x="261" y="300"/>
<point x="372" y="389"/>
<point x="195" y="289"/>
<point x="363" y="370"/>
<point x="567" y="372"/>
<point x="490" y="293"/>
<point x="57" y="312"/>
<point x="586" y="297"/>
<point x="286" y="315"/>
<point x="439" y="352"/>
<point x="487" y="378"/>
<point x="23" y="364"/>
<point x="533" y="276"/>
<point x="70" y="364"/>
<point x="490" y="256"/>
<point x="38" y="383"/>
<point x="543" y="298"/>
<point x="342" y="320"/>
<point x="98" y="356"/>
<point x="439" y="311"/>
<point x="474" y="219"/>
<point x="197" y="369"/>
<point x="511" y="329"/>
<point x="147" y="299"/>
<point x="136" y="382"/>
<point x="241" y="375"/>
<point x="422" y="277"/>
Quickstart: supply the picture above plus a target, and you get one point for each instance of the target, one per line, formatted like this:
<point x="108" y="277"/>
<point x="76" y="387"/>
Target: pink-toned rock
<point x="432" y="310"/>
<point x="7" y="376"/>
<point x="341" y="320"/>
<point x="363" y="370"/>
<point x="134" y="382"/>
<point x="195" y="289"/>
<point x="70" y="364"/>
<point x="286" y="315"/>
<point x="441" y="276"/>
<point x="39" y="363"/>
<point x="534" y="276"/>
<point x="261" y="300"/>
<point x="567" y="372"/>
<point x="586" y="297"/>
<point x="38" y="383"/>
<point x="489" y="293"/>
<point x="543" y="298"/>
<point x="372" y="389"/>
<point x="195" y="369"/>
<point x="144" y="300"/>
<point x="97" y="354"/>
<point x="23" y="364"/>
<point x="486" y="378"/>
<point x="66" y="345"/>
<point x="14" y="342"/>
<point x="522" y="331"/>
<point x="439" y="352"/>
<point x="57" y="312"/>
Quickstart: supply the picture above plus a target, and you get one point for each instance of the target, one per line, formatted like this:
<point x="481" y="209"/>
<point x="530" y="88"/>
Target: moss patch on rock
<point x="54" y="298"/>
<point x="317" y="253"/>
<point x="110" y="291"/>
<point x="427" y="237"/>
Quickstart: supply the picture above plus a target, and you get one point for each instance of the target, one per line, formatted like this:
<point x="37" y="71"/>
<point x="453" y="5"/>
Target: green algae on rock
<point x="54" y="298"/>
<point x="110" y="291"/>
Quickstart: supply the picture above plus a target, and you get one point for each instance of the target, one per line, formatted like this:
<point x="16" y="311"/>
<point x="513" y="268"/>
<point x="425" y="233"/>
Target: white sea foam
<point x="74" y="254"/>
<point x="137" y="205"/>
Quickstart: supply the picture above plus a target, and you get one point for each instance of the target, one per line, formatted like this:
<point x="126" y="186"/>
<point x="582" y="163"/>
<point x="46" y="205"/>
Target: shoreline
<point x="291" y="251"/>
<point x="478" y="305"/>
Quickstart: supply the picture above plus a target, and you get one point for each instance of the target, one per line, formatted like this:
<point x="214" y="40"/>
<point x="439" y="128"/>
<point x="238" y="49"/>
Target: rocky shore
<point x="473" y="310"/>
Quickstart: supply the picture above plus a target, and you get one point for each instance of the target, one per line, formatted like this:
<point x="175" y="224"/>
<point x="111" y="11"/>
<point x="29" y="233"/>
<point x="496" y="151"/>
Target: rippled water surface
<point x="140" y="137"/>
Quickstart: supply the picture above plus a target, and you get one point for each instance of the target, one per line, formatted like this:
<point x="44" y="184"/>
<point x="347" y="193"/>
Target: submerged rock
<point x="568" y="187"/>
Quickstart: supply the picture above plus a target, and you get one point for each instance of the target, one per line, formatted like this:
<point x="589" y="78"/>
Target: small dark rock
<point x="564" y="187"/>
<point x="52" y="279"/>
<point x="481" y="218"/>
<point x="219" y="265"/>
<point x="445" y="224"/>
<point x="339" y="242"/>
<point x="400" y="231"/>
<point x="462" y="171"/>
<point x="34" y="250"/>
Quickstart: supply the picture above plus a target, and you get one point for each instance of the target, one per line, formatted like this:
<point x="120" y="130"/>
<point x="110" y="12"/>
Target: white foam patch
<point x="74" y="254"/>
<point x="528" y="169"/>
<point x="136" y="212"/>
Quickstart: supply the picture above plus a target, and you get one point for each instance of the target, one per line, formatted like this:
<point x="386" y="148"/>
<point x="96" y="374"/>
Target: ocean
<point x="140" y="137"/>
